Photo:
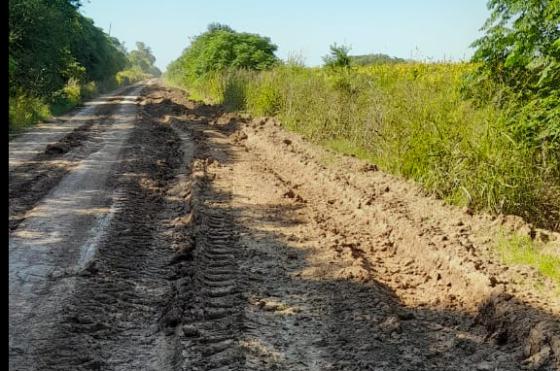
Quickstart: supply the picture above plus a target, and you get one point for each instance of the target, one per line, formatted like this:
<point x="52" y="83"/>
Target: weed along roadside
<point x="455" y="151"/>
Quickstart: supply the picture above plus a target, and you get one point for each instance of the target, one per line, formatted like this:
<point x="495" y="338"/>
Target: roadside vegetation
<point x="58" y="58"/>
<point x="369" y="59"/>
<point x="483" y="134"/>
<point x="522" y="250"/>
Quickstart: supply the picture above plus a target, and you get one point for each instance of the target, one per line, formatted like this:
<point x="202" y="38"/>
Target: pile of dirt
<point x="506" y="323"/>
<point x="430" y="254"/>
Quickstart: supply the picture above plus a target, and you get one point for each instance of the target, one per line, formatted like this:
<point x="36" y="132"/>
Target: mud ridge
<point x="430" y="254"/>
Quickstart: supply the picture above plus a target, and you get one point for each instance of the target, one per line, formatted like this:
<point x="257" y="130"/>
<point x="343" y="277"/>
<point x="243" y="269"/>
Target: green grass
<point x="25" y="111"/>
<point x="522" y="250"/>
<point x="348" y="148"/>
<point x="412" y="120"/>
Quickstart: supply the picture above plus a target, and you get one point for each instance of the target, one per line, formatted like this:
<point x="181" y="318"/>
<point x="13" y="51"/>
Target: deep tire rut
<point x="113" y="319"/>
<point x="211" y="325"/>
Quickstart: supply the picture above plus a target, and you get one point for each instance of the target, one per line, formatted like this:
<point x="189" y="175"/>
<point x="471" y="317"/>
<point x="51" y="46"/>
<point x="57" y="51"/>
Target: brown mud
<point x="239" y="246"/>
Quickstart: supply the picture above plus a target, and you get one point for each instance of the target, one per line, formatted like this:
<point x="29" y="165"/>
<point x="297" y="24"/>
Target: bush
<point x="264" y="97"/>
<point x="338" y="57"/>
<point x="88" y="90"/>
<point x="24" y="111"/>
<point x="221" y="48"/>
<point x="67" y="98"/>
<point x="130" y="76"/>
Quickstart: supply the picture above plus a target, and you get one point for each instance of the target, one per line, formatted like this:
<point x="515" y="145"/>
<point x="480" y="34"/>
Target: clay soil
<point x="236" y="245"/>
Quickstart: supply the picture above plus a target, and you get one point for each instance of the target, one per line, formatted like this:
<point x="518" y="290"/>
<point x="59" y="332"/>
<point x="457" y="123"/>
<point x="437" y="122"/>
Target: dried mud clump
<point x="505" y="324"/>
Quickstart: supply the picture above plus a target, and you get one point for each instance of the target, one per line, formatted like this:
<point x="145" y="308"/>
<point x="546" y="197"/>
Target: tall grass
<point x="412" y="120"/>
<point x="24" y="110"/>
<point x="522" y="250"/>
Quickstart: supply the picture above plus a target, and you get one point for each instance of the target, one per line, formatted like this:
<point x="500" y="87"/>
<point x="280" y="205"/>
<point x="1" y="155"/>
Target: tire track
<point x="212" y="321"/>
<point x="118" y="313"/>
<point x="32" y="180"/>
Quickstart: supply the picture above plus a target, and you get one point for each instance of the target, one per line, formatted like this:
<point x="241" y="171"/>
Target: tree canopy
<point x="521" y="45"/>
<point x="51" y="42"/>
<point x="519" y="58"/>
<point x="220" y="47"/>
<point x="143" y="59"/>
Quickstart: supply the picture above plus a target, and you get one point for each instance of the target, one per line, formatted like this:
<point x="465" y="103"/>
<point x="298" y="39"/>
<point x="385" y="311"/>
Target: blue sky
<point x="421" y="29"/>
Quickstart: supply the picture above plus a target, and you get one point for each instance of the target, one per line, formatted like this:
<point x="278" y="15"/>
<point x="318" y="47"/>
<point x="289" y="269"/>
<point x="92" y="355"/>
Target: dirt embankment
<point x="236" y="245"/>
<point x="436" y="260"/>
<point x="332" y="264"/>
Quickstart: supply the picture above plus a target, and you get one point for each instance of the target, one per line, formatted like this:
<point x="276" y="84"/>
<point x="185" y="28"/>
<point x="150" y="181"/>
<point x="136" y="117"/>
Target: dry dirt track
<point x="160" y="234"/>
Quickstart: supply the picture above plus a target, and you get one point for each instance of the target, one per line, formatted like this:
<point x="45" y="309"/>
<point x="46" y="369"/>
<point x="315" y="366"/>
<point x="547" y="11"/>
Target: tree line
<point x="51" y="43"/>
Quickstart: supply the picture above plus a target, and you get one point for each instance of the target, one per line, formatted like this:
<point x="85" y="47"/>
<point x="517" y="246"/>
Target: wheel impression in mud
<point x="225" y="254"/>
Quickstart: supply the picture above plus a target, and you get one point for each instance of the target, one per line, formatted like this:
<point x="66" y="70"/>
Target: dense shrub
<point x="131" y="76"/>
<point x="24" y="110"/>
<point x="519" y="69"/>
<point x="221" y="48"/>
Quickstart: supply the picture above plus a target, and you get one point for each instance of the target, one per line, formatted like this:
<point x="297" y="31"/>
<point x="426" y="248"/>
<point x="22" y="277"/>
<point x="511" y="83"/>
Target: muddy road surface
<point x="150" y="232"/>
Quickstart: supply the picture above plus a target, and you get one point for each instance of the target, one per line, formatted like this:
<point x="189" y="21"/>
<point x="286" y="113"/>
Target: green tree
<point x="215" y="26"/>
<point x="95" y="50"/>
<point x="143" y="59"/>
<point x="519" y="58"/>
<point x="338" y="57"/>
<point x="39" y="43"/>
<point x="55" y="53"/>
<point x="521" y="45"/>
<point x="371" y="59"/>
<point x="219" y="48"/>
<point x="50" y="42"/>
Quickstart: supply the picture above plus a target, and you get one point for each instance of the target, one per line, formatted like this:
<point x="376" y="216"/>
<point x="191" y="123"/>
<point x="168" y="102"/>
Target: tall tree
<point x="39" y="43"/>
<point x="521" y="45"/>
<point x="51" y="42"/>
<point x="219" y="48"/>
<point x="143" y="59"/>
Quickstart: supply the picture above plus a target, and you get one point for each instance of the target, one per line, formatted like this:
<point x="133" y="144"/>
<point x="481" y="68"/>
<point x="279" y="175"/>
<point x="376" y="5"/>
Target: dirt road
<point x="149" y="232"/>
